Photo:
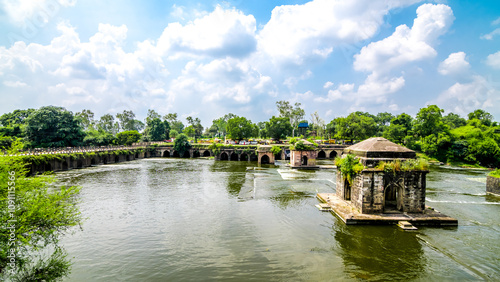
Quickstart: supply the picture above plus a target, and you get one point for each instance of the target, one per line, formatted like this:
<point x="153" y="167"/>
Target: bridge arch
<point x="321" y="155"/>
<point x="224" y="156"/>
<point x="186" y="155"/>
<point x="243" y="157"/>
<point x="166" y="154"/>
<point x="196" y="154"/>
<point x="79" y="163"/>
<point x="176" y="154"/>
<point x="234" y="156"/>
<point x="92" y="161"/>
<point x="333" y="155"/>
<point x="65" y="165"/>
<point x="264" y="159"/>
<point x="206" y="153"/>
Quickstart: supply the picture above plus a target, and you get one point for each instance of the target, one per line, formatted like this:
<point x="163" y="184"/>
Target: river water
<point x="168" y="219"/>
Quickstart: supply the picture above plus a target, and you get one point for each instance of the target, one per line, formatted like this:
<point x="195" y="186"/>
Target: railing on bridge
<point x="81" y="149"/>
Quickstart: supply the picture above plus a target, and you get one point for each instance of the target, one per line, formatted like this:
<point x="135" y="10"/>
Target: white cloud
<point x="493" y="60"/>
<point x="375" y="89"/>
<point x="219" y="34"/>
<point x="407" y="45"/>
<point x="37" y="12"/>
<point x="14" y="84"/>
<point x="343" y="91"/>
<point x="328" y="84"/>
<point x="492" y="34"/>
<point x="454" y="65"/>
<point x="296" y="33"/>
<point x="463" y="98"/>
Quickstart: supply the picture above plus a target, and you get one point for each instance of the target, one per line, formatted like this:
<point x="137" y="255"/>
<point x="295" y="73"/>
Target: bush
<point x="495" y="173"/>
<point x="349" y="166"/>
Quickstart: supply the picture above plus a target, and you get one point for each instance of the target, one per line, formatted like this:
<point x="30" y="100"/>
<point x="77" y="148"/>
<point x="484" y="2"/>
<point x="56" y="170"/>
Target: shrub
<point x="349" y="166"/>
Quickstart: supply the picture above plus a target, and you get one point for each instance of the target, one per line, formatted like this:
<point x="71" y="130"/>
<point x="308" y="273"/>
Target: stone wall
<point x="368" y="190"/>
<point x="296" y="158"/>
<point x="493" y="185"/>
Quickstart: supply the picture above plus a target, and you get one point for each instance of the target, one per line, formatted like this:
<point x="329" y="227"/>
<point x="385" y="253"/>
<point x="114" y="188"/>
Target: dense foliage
<point x="349" y="166"/>
<point x="181" y="144"/>
<point x="36" y="217"/>
<point x="495" y="173"/>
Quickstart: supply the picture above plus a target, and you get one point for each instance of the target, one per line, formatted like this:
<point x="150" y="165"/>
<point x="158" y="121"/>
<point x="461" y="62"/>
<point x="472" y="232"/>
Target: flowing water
<point x="171" y="219"/>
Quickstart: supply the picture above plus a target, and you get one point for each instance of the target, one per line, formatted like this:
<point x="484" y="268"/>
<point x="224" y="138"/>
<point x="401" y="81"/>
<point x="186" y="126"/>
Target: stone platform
<point x="348" y="214"/>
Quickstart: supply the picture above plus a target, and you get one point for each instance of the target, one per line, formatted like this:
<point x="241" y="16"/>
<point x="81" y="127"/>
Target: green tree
<point x="485" y="117"/>
<point x="331" y="129"/>
<point x="429" y="120"/>
<point x="176" y="125"/>
<point x="53" y="127"/>
<point x="181" y="144"/>
<point x="155" y="130"/>
<point x="86" y="119"/>
<point x="107" y="123"/>
<point x="399" y="129"/>
<point x="128" y="121"/>
<point x="173" y="133"/>
<point x="293" y="114"/>
<point x="98" y="138"/>
<point x="221" y="124"/>
<point x="357" y="125"/>
<point x="239" y="128"/>
<point x="196" y="125"/>
<point x="454" y="120"/>
<point x="189" y="131"/>
<point x="17" y="117"/>
<point x="36" y="216"/>
<point x="128" y="137"/>
<point x="278" y="128"/>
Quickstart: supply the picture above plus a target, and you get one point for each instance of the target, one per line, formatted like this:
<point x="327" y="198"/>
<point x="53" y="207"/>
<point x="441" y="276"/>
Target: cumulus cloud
<point x="219" y="34"/>
<point x="37" y="11"/>
<point x="328" y="84"/>
<point x="463" y="98"/>
<point x="493" y="60"/>
<point x="296" y="33"/>
<point x="407" y="45"/>
<point x="454" y="65"/>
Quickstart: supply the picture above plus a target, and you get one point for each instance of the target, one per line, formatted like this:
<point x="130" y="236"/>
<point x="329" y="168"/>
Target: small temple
<point x="377" y="196"/>
<point x="304" y="158"/>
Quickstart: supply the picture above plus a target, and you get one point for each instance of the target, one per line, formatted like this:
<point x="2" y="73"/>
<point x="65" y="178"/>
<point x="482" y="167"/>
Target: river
<point x="166" y="219"/>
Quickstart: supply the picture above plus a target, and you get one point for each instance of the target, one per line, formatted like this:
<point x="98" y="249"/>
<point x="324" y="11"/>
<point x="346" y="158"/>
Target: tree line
<point x="448" y="138"/>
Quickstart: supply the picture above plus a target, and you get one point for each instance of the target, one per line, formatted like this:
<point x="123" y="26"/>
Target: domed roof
<point x="380" y="148"/>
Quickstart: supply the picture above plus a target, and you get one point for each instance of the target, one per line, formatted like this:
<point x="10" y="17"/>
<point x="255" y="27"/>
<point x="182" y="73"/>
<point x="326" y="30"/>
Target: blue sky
<point x="208" y="58"/>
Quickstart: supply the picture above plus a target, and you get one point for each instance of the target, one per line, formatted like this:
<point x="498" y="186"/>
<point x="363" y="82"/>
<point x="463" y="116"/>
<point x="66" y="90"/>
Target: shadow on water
<point x="379" y="253"/>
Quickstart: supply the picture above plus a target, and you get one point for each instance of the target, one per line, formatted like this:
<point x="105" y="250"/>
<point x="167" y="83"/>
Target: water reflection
<point x="379" y="252"/>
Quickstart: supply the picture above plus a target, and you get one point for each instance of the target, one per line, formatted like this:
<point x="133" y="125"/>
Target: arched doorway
<point x="333" y="155"/>
<point x="234" y="157"/>
<point x="347" y="190"/>
<point x="206" y="153"/>
<point x="392" y="196"/>
<point x="304" y="160"/>
<point x="264" y="159"/>
<point x="224" y="156"/>
<point x="243" y="157"/>
<point x="166" y="154"/>
<point x="322" y="155"/>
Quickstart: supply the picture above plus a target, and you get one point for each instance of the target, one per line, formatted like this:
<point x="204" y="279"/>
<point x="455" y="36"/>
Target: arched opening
<point x="277" y="156"/>
<point x="79" y="164"/>
<point x="234" y="157"/>
<point x="166" y="154"/>
<point x="64" y="165"/>
<point x="47" y="167"/>
<point x="347" y="190"/>
<point x="264" y="159"/>
<point x="333" y="155"/>
<point x="254" y="158"/>
<point x="392" y="198"/>
<point x="176" y="154"/>
<point x="224" y="156"/>
<point x="186" y="155"/>
<point x="127" y="158"/>
<point x="92" y="161"/>
<point x="321" y="155"/>
<point x="206" y="153"/>
<point x="105" y="160"/>
<point x="136" y="155"/>
<point x="117" y="159"/>
<point x="304" y="160"/>
<point x="196" y="154"/>
<point x="243" y="157"/>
